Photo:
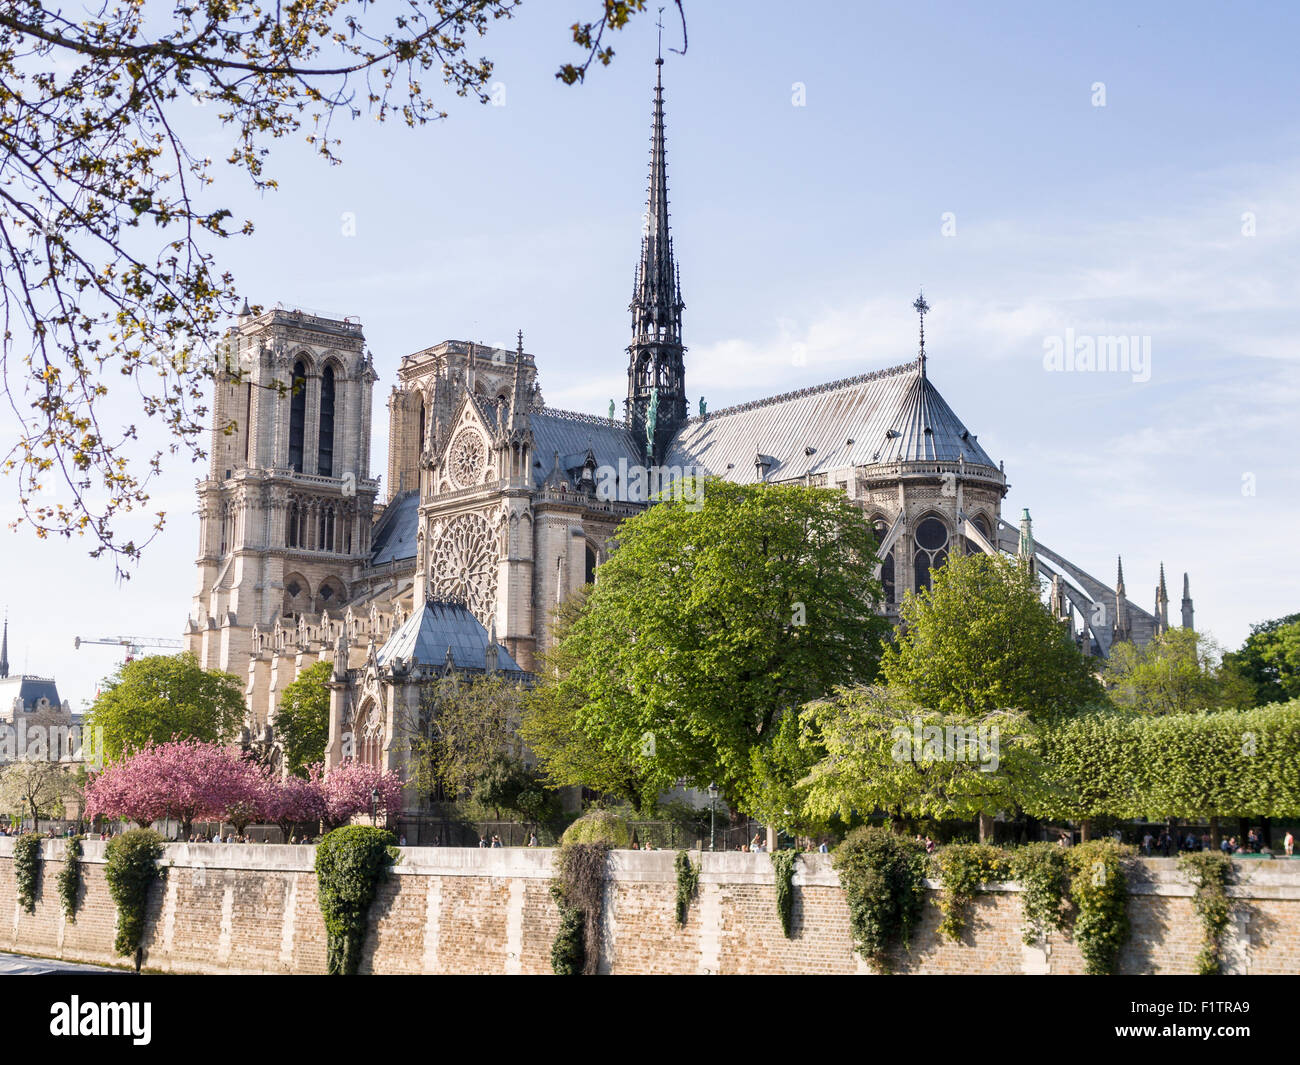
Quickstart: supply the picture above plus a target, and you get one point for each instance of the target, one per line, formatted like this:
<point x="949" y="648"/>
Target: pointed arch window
<point x="325" y="446"/>
<point x="297" y="415"/>
<point x="931" y="540"/>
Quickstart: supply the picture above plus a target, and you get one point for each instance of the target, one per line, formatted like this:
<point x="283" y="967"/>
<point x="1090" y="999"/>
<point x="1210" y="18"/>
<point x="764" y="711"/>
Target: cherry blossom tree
<point x="294" y="803"/>
<point x="348" y="788"/>
<point x="184" y="779"/>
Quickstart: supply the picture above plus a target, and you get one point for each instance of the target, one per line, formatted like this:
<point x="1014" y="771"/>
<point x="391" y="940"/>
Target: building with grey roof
<point x="499" y="506"/>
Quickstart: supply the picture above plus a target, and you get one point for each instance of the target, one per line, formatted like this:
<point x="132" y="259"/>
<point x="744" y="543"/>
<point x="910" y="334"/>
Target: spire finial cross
<point x="659" y="23"/>
<point x="922" y="308"/>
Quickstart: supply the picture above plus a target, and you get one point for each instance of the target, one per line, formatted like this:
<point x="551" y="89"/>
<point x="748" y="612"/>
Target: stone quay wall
<point x="252" y="908"/>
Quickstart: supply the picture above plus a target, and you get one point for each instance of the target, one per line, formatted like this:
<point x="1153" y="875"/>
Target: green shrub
<point x="131" y="869"/>
<point x="599" y="826"/>
<point x="783" y="867"/>
<point x="1099" y="891"/>
<point x="688" y="884"/>
<point x="883" y="876"/>
<point x="70" y="877"/>
<point x="963" y="867"/>
<point x="350" y="863"/>
<point x="579" y="889"/>
<point x="1044" y="877"/>
<point x="27" y="868"/>
<point x="1210" y="873"/>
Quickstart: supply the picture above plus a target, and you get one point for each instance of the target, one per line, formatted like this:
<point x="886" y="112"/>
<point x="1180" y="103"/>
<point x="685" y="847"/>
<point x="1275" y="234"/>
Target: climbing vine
<point x="131" y="869"/>
<point x="962" y="867"/>
<point x="350" y="864"/>
<point x="1210" y="874"/>
<point x="579" y="892"/>
<point x="70" y="877"/>
<point x="688" y="883"/>
<point x="27" y="869"/>
<point x="1099" y="891"/>
<point x="1044" y="877"/>
<point x="783" y="866"/>
<point x="883" y="876"/>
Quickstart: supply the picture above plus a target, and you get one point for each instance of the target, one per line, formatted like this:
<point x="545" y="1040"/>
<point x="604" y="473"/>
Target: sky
<point x="1046" y="172"/>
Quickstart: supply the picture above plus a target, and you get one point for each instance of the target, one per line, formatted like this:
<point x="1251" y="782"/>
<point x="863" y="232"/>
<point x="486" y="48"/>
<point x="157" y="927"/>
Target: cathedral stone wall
<point x="254" y="909"/>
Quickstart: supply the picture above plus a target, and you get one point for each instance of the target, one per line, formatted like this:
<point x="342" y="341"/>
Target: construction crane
<point x="133" y="645"/>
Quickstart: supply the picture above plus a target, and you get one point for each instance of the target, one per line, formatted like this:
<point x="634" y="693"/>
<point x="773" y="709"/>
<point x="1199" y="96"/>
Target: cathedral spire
<point x="1187" y="604"/>
<point x="4" y="650"/>
<point x="518" y="406"/>
<point x="1162" y="604"/>
<point x="655" y="355"/>
<point x="1121" y="629"/>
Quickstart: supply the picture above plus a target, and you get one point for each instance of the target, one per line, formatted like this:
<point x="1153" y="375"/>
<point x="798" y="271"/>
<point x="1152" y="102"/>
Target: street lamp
<point x="713" y="794"/>
<point x="374" y="806"/>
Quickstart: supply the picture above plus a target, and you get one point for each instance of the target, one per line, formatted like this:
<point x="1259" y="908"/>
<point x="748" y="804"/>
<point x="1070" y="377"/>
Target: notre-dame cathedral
<point x="498" y="506"/>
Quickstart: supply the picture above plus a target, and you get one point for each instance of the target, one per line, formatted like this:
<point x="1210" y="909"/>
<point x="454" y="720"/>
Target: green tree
<point x="551" y="728"/>
<point x="302" y="721"/>
<point x="1177" y="672"/>
<point x="466" y="724"/>
<point x="719" y="614"/>
<point x="883" y="751"/>
<point x="979" y="639"/>
<point x="108" y="123"/>
<point x="161" y="697"/>
<point x="1270" y="660"/>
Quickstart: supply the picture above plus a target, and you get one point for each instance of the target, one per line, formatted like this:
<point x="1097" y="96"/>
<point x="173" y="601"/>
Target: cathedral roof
<point x="30" y="690"/>
<point x="423" y="639"/>
<point x="571" y="435"/>
<point x="394" y="536"/>
<point x="893" y="415"/>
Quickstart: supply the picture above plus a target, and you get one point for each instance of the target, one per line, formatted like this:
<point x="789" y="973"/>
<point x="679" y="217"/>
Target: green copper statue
<point x="704" y="408"/>
<point x="652" y="417"/>
<point x="611" y="410"/>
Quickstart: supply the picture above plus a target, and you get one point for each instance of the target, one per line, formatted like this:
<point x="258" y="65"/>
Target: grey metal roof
<point x="887" y="416"/>
<point x="571" y="435"/>
<point x="31" y="690"/>
<point x="424" y="637"/>
<point x="394" y="536"/>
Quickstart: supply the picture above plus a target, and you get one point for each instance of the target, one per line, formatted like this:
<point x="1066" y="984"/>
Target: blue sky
<point x="804" y="233"/>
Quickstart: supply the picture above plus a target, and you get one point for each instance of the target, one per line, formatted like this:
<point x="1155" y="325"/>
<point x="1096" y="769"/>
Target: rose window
<point x="464" y="564"/>
<point x="467" y="455"/>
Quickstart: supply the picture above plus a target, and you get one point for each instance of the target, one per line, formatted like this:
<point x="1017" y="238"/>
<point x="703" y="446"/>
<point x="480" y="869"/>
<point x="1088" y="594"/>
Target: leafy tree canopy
<point x="1270" y="659"/>
<point x="110" y="215"/>
<point x="1177" y="672"/>
<point x="162" y="697"/>
<point x="979" y="639"/>
<point x="302" y="721"/>
<point x="711" y="622"/>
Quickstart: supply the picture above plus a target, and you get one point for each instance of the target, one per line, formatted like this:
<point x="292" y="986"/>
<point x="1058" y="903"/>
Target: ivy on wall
<point x="27" y="869"/>
<point x="962" y="868"/>
<point x="70" y="877"/>
<point x="350" y="864"/>
<point x="1044" y="877"/>
<point x="883" y="876"/>
<point x="688" y="884"/>
<point x="579" y="892"/>
<point x="1210" y="874"/>
<point x="1099" y="891"/>
<point x="783" y="866"/>
<point x="131" y="869"/>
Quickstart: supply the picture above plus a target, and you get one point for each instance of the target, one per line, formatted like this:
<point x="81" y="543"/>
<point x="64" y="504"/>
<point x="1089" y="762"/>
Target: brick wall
<point x="244" y="909"/>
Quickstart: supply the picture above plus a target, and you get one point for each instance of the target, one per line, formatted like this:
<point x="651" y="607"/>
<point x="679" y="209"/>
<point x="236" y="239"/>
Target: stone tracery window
<point x="464" y="564"/>
<point x="931" y="549"/>
<point x="467" y="455"/>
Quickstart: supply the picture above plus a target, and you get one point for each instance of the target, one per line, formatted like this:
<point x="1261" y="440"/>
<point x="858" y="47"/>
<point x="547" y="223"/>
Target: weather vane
<point x="659" y="22"/>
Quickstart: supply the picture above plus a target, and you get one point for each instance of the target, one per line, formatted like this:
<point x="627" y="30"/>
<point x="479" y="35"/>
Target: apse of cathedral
<point x="498" y="506"/>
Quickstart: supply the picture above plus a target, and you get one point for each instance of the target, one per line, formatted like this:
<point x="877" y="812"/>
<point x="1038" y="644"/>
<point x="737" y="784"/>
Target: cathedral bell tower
<point x="656" y="372"/>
